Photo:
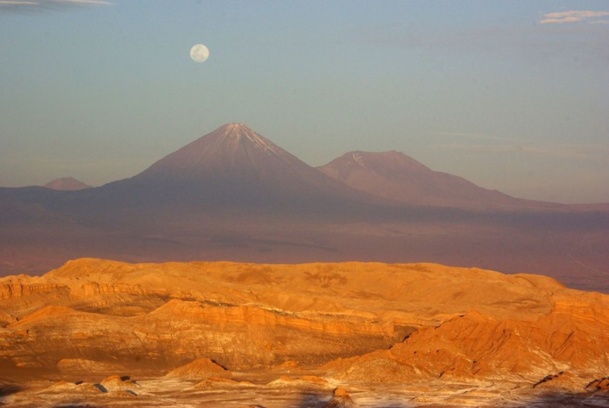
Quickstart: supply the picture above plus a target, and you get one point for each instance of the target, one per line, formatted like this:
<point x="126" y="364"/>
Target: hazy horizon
<point x="513" y="96"/>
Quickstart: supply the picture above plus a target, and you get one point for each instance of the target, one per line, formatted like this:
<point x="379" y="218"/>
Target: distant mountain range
<point x="234" y="195"/>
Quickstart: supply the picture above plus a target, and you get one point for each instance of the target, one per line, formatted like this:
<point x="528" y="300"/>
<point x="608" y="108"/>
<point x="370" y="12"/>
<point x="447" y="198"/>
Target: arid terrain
<point x="97" y="333"/>
<point x="285" y="331"/>
<point x="304" y="204"/>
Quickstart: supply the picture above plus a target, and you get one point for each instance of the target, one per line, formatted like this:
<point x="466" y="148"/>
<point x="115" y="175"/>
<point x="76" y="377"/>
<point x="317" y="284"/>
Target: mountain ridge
<point x="397" y="176"/>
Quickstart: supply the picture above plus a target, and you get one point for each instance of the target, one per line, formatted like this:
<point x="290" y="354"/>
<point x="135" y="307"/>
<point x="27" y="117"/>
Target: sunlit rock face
<point x="387" y="331"/>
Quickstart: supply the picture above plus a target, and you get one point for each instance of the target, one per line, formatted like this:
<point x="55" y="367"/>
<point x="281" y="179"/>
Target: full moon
<point x="199" y="53"/>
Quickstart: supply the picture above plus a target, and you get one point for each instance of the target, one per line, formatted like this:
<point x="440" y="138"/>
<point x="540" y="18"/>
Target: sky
<point x="511" y="95"/>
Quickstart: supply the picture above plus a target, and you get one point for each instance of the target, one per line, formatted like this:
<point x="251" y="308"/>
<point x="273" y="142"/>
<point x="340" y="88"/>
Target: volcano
<point x="396" y="176"/>
<point x="235" y="167"/>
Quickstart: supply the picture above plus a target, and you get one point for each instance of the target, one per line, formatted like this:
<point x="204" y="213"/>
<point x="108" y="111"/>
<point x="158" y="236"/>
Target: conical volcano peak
<point x="239" y="133"/>
<point x="230" y="129"/>
<point x="231" y="152"/>
<point x="234" y="126"/>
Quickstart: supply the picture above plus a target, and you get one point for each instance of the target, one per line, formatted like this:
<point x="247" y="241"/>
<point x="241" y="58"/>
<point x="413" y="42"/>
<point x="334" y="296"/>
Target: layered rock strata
<point x="358" y="322"/>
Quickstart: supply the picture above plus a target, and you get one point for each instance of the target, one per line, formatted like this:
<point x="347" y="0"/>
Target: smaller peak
<point x="66" y="183"/>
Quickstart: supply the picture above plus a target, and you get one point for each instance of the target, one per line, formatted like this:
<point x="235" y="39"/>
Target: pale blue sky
<point x="512" y="95"/>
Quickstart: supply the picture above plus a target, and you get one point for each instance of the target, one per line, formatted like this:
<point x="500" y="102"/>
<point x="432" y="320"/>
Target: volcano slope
<point x="286" y="335"/>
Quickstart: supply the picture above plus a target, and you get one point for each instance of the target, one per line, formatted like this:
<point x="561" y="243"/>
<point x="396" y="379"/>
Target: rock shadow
<point x="313" y="400"/>
<point x="598" y="399"/>
<point x="550" y="399"/>
<point x="6" y="390"/>
<point x="101" y="388"/>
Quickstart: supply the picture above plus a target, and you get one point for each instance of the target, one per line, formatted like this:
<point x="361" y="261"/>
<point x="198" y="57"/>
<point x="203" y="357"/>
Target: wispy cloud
<point x="31" y="5"/>
<point x="575" y="16"/>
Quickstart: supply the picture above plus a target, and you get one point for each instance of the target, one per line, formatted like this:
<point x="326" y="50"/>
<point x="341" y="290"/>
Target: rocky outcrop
<point x="340" y="399"/>
<point x="601" y="384"/>
<point x="198" y="369"/>
<point x="236" y="336"/>
<point x="117" y="383"/>
<point x="480" y="346"/>
<point x="373" y="323"/>
<point x="13" y="287"/>
<point x="306" y="382"/>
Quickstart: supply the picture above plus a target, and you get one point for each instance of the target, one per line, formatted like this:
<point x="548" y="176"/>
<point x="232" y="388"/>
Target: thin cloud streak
<point x="574" y="16"/>
<point x="30" y="5"/>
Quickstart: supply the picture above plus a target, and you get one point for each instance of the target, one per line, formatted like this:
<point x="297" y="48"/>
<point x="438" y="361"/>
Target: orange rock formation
<point x="359" y="322"/>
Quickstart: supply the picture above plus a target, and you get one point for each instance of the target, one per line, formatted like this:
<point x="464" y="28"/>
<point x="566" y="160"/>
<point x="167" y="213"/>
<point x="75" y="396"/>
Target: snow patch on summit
<point x="359" y="159"/>
<point x="239" y="130"/>
<point x="261" y="143"/>
<point x="236" y="132"/>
